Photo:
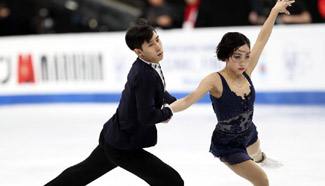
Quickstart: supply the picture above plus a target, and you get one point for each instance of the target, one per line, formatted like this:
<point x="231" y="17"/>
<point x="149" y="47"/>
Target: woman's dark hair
<point x="137" y="34"/>
<point x="230" y="42"/>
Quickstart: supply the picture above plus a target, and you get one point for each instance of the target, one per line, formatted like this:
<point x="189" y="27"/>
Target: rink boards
<point x="79" y="68"/>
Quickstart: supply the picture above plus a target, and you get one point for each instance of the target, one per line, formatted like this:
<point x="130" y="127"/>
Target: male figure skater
<point x="132" y="127"/>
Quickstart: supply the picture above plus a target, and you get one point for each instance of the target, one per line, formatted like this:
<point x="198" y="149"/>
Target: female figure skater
<point x="232" y="93"/>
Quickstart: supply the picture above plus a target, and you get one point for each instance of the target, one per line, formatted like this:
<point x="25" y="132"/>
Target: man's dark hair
<point x="230" y="42"/>
<point x="137" y="34"/>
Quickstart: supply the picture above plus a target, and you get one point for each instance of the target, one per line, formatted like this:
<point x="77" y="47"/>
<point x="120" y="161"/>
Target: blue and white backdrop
<point x="93" y="67"/>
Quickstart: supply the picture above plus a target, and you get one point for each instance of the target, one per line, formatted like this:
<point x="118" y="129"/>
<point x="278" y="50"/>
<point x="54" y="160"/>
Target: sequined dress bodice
<point x="234" y="113"/>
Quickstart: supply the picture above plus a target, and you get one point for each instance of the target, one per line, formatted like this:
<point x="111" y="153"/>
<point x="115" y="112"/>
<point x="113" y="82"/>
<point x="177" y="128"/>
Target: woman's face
<point x="239" y="60"/>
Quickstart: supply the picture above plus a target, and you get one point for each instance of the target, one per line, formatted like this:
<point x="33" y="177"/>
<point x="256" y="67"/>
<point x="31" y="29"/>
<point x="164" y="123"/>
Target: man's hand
<point x="167" y="105"/>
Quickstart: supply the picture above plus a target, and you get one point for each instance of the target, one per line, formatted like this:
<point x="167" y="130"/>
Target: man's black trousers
<point x="104" y="158"/>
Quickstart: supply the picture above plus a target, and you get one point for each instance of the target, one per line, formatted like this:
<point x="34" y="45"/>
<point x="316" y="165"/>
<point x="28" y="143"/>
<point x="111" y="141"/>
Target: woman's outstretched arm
<point x="266" y="30"/>
<point x="206" y="85"/>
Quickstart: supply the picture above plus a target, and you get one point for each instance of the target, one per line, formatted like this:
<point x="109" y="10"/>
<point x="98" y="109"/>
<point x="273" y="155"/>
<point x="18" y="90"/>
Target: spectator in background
<point x="4" y="17"/>
<point x="4" y="10"/>
<point x="191" y="10"/>
<point x="313" y="8"/>
<point x="321" y="9"/>
<point x="260" y="8"/>
<point x="11" y="23"/>
<point x="214" y="13"/>
<point x="179" y="8"/>
<point x="161" y="13"/>
<point x="7" y="21"/>
<point x="299" y="14"/>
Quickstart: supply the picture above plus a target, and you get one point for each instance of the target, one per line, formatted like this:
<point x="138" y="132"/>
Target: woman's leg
<point x="250" y="171"/>
<point x="255" y="152"/>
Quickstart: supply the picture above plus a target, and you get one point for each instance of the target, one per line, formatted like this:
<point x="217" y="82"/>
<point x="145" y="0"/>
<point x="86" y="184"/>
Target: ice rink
<point x="38" y="142"/>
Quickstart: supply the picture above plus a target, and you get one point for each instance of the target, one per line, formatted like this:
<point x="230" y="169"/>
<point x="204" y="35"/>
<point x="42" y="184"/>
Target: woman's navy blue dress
<point x="235" y="130"/>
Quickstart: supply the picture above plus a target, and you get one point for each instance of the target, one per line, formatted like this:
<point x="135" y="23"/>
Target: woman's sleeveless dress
<point x="235" y="130"/>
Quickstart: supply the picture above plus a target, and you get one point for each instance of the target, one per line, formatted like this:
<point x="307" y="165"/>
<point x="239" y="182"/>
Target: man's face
<point x="152" y="51"/>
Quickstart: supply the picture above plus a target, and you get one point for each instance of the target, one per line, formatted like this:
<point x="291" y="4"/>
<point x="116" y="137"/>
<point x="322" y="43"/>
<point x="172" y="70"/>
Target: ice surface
<point x="37" y="142"/>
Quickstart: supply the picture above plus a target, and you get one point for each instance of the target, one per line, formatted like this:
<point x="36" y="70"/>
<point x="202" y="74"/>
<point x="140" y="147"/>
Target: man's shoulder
<point x="140" y="70"/>
<point x="140" y="67"/>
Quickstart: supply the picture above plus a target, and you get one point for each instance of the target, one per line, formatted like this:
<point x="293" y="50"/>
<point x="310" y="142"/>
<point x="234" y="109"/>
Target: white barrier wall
<point x="293" y="60"/>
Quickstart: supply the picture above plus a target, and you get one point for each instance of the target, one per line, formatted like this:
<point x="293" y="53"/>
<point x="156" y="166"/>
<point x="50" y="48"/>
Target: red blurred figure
<point x="191" y="10"/>
<point x="321" y="7"/>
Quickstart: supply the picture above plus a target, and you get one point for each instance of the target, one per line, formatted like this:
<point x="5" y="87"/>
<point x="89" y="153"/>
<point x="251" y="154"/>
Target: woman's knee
<point x="261" y="181"/>
<point x="255" y="151"/>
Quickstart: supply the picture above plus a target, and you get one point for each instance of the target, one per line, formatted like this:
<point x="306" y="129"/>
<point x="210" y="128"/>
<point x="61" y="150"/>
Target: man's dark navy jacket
<point x="133" y="126"/>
